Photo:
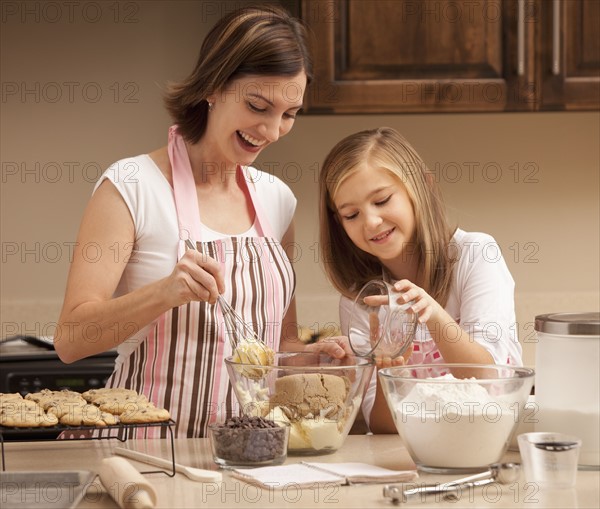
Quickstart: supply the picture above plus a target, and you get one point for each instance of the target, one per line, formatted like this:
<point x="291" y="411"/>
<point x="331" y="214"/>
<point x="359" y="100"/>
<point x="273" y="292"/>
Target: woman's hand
<point x="196" y="277"/>
<point x="423" y="304"/>
<point x="337" y="347"/>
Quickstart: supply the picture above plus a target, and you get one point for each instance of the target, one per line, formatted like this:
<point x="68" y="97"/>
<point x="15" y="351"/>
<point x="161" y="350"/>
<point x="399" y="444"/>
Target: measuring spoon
<point x="503" y="473"/>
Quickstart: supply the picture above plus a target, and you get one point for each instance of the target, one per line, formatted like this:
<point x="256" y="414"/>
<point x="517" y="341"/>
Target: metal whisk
<point x="238" y="331"/>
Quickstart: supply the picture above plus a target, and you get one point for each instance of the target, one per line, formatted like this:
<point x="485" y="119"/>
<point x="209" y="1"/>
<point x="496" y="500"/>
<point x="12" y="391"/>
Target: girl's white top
<point x="481" y="301"/>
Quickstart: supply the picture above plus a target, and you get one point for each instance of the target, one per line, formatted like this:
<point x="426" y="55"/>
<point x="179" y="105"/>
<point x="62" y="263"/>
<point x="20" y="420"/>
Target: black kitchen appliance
<point x="29" y="364"/>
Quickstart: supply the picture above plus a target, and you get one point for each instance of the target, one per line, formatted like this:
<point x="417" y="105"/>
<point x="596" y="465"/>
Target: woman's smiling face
<point x="376" y="212"/>
<point x="252" y="112"/>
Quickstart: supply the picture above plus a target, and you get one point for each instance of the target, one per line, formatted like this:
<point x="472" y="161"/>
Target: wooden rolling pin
<point x="126" y="485"/>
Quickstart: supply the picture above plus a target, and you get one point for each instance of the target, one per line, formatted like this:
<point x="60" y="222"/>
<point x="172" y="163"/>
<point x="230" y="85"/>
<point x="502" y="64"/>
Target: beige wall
<point x="81" y="88"/>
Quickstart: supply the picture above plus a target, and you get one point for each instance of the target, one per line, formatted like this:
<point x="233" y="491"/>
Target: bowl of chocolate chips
<point x="249" y="441"/>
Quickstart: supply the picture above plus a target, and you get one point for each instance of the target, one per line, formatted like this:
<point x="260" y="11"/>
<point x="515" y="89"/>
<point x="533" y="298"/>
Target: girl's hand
<point x="423" y="305"/>
<point x="196" y="277"/>
<point x="388" y="362"/>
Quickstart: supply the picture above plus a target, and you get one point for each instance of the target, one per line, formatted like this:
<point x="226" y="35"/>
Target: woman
<point x="382" y="217"/>
<point x="144" y="293"/>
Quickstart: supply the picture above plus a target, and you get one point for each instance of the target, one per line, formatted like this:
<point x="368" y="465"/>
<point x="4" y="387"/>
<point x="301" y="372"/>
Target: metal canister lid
<point x="571" y="324"/>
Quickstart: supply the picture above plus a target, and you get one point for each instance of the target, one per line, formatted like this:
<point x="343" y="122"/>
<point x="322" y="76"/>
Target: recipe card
<point x="355" y="473"/>
<point x="314" y="475"/>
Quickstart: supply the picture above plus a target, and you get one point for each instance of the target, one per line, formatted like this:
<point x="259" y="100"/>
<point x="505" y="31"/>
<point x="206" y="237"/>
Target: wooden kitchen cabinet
<point x="569" y="60"/>
<point x="394" y="56"/>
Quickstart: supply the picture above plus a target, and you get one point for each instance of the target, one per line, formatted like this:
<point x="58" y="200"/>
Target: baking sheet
<point x="63" y="489"/>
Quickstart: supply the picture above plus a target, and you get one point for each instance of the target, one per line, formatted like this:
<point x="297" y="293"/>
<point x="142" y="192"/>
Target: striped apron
<point x="179" y="365"/>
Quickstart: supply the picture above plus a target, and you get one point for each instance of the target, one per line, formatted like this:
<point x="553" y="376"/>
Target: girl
<point x="382" y="217"/>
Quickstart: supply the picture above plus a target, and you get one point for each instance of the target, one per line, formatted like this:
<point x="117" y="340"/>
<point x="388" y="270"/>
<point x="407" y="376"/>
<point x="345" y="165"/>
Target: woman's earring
<point x="210" y="106"/>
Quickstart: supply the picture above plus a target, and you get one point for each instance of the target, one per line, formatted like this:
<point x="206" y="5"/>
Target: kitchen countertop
<point x="382" y="450"/>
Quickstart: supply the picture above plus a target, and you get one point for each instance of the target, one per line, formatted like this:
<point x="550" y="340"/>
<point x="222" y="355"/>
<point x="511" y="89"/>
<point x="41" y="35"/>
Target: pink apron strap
<point x="186" y="199"/>
<point x="262" y="220"/>
<point x="184" y="188"/>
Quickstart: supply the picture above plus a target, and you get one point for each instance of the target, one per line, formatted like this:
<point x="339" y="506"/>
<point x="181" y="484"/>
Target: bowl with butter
<point x="317" y="396"/>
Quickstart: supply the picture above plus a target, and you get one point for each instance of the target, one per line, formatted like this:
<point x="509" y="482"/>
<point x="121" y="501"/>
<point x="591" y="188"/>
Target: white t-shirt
<point x="481" y="301"/>
<point x="149" y="198"/>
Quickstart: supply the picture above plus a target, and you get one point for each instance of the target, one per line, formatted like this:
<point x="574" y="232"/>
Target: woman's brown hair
<point x="348" y="267"/>
<point x="263" y="41"/>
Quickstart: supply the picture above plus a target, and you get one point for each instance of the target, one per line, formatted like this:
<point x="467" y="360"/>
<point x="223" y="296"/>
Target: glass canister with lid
<point x="567" y="381"/>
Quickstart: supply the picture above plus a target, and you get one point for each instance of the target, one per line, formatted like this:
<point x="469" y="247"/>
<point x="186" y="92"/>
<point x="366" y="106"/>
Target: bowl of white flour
<point x="456" y="418"/>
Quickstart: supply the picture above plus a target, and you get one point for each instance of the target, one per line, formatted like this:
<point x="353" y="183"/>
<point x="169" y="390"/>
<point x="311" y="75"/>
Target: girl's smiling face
<point x="376" y="212"/>
<point x="252" y="112"/>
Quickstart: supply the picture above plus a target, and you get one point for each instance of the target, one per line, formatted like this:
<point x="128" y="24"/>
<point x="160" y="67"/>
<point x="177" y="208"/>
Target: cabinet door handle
<point x="556" y="37"/>
<point x="521" y="37"/>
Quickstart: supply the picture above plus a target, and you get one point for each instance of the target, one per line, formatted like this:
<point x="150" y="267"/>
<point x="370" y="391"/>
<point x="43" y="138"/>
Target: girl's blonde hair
<point x="348" y="267"/>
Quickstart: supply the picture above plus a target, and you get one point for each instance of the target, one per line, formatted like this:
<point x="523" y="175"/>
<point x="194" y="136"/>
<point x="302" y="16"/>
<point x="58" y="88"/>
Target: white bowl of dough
<point x="318" y="396"/>
<point x="456" y="417"/>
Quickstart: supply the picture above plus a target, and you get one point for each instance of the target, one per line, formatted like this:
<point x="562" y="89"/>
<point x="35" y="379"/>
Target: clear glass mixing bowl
<point x="380" y="326"/>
